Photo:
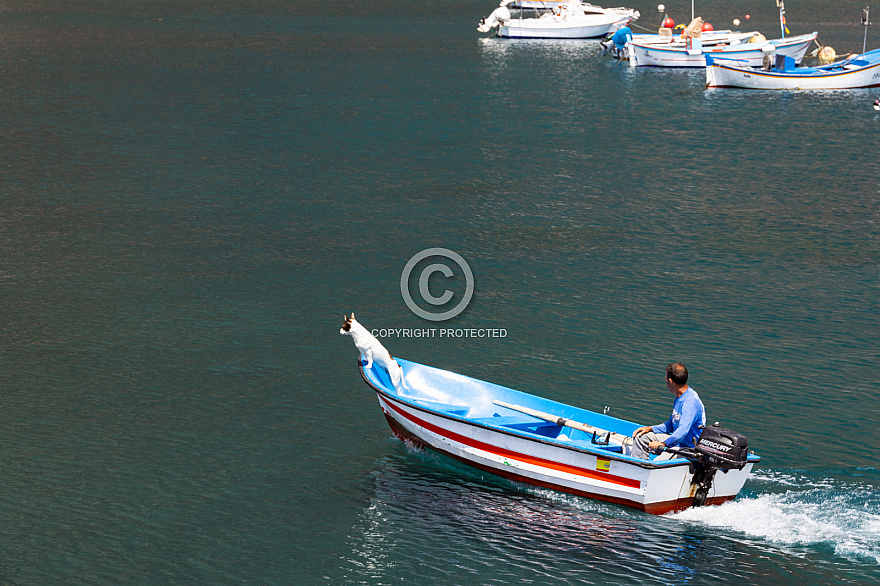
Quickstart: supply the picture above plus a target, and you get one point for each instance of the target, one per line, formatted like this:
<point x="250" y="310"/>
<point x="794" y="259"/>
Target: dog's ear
<point x="352" y="316"/>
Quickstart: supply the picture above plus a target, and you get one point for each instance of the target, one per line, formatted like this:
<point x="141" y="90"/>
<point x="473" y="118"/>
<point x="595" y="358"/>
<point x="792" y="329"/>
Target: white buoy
<point x="735" y="22"/>
<point x="660" y="8"/>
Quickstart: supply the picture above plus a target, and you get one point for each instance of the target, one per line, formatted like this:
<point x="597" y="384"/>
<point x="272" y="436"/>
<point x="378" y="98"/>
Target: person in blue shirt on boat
<point x="685" y="424"/>
<point x="622" y="37"/>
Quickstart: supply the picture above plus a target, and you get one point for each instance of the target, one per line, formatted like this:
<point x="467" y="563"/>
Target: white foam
<point x="847" y="519"/>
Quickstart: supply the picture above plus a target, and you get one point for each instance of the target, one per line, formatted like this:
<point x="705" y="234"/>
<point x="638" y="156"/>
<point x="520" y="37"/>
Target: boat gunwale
<point x="743" y="47"/>
<point x="815" y="73"/>
<point x="645" y="464"/>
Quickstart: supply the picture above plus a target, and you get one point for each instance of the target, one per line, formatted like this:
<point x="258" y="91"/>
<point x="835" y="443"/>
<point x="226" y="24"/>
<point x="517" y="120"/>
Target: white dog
<point x="372" y="349"/>
<point x="498" y="17"/>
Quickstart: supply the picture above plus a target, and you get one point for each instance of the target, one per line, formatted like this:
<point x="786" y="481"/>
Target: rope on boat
<point x="826" y="53"/>
<point x="631" y="25"/>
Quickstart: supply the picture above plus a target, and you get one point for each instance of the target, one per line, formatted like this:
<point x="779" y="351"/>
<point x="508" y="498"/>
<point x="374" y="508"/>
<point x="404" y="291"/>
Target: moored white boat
<point x="861" y="71"/>
<point x="708" y="38"/>
<point x="572" y="20"/>
<point x="538" y="4"/>
<point x="692" y="52"/>
<point x="550" y="444"/>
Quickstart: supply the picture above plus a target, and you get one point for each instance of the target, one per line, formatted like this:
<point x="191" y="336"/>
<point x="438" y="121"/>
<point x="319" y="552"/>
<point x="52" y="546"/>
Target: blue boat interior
<point x="461" y="397"/>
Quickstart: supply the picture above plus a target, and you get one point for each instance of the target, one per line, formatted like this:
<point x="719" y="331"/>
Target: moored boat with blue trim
<point x="860" y="71"/>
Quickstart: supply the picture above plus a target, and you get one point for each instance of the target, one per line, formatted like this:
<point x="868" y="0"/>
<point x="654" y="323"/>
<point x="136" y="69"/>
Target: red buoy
<point x="747" y="17"/>
<point x="668" y="22"/>
<point x="707" y="27"/>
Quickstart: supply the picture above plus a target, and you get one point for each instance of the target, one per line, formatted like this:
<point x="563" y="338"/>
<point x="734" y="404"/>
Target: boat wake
<point x="799" y="510"/>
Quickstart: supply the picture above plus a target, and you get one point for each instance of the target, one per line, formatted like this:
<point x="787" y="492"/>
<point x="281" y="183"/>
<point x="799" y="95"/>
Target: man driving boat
<point x="683" y="427"/>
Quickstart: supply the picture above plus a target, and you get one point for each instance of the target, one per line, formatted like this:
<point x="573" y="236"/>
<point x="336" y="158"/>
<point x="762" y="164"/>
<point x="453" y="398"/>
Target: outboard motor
<point x="717" y="448"/>
<point x="607" y="46"/>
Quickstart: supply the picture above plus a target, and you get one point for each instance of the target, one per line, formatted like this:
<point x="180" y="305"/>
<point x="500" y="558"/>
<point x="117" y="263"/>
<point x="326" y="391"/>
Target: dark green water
<point x="191" y="196"/>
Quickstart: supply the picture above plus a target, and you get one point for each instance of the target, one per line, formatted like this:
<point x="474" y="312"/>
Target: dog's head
<point x="345" y="330"/>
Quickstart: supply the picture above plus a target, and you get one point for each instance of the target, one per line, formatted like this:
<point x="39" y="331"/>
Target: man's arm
<point x="666" y="427"/>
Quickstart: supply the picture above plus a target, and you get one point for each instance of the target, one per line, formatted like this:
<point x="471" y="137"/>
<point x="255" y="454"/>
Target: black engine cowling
<point x="717" y="448"/>
<point x="722" y="447"/>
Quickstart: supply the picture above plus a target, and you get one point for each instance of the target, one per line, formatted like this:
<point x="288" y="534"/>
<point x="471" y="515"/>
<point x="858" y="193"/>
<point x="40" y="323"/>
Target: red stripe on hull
<point x="401" y="432"/>
<point x="652" y="508"/>
<point x="595" y="475"/>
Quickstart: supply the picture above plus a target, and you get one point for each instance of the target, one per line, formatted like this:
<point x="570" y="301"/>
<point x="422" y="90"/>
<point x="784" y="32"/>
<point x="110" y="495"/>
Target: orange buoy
<point x="747" y="17"/>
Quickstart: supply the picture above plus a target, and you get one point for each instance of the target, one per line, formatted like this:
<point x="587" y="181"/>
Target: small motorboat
<point x="860" y="71"/>
<point x="545" y="443"/>
<point x="708" y="40"/>
<point x="692" y="52"/>
<point x="572" y="20"/>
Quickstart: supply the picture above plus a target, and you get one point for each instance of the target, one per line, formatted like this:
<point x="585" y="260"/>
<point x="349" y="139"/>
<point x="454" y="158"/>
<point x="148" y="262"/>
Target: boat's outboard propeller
<point x="717" y="448"/>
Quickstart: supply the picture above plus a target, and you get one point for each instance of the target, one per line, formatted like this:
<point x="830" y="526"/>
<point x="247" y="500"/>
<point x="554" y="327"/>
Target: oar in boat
<point x="624" y="439"/>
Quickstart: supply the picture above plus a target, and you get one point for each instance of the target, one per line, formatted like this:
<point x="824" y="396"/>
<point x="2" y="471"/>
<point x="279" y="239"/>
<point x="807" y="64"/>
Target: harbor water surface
<point x="192" y="194"/>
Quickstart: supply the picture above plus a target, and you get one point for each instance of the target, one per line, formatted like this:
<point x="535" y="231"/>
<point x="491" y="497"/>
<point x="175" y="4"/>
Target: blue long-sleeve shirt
<point x="688" y="414"/>
<point x="622" y="36"/>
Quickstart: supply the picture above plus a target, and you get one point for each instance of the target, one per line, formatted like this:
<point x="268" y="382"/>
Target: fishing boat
<point x="691" y="52"/>
<point x="860" y="71"/>
<point x="546" y="443"/>
<point x="709" y="39"/>
<point x="572" y="20"/>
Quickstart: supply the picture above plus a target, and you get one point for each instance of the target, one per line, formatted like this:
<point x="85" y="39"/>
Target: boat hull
<point x="514" y="30"/>
<point x="745" y="54"/>
<point x="818" y="78"/>
<point x="538" y="4"/>
<point x="527" y="450"/>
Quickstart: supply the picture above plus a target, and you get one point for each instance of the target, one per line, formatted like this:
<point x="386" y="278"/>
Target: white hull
<point x="708" y="38"/>
<point x="524" y="29"/>
<point x="526" y="449"/>
<point x="841" y="75"/>
<point x="745" y="54"/>
<point x="538" y="4"/>
<point x="573" y="20"/>
<point x="653" y="488"/>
